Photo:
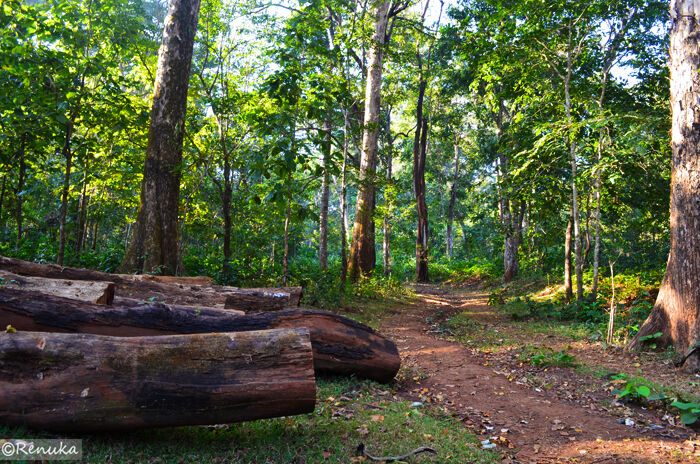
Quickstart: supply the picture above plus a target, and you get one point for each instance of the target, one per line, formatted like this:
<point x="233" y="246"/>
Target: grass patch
<point x="348" y="412"/>
<point x="545" y="356"/>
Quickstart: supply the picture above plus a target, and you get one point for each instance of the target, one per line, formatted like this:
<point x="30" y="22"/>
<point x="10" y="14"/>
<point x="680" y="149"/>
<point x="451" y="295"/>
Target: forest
<point x="379" y="154"/>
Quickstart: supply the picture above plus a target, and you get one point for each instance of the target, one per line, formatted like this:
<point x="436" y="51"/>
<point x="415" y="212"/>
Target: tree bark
<point x="567" y="259"/>
<point x="420" y="142"/>
<point x="22" y="169"/>
<point x="79" y="382"/>
<point x="341" y="345"/>
<point x="453" y="201"/>
<point x="388" y="195"/>
<point x="676" y="313"/>
<point x="82" y="212"/>
<point x="67" y="154"/>
<point x="512" y="241"/>
<point x="155" y="246"/>
<point x="362" y="252"/>
<point x="344" y="206"/>
<point x="325" y="194"/>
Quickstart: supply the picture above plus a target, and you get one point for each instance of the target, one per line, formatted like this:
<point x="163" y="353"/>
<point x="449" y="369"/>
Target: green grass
<point x="348" y="412"/>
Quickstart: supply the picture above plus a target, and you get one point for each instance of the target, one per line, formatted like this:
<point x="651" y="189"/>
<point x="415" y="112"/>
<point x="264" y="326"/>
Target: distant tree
<point x="676" y="313"/>
<point x="154" y="246"/>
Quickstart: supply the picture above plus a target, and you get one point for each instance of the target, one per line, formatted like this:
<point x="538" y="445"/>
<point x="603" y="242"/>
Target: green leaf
<point x="690" y="417"/>
<point x="644" y="391"/>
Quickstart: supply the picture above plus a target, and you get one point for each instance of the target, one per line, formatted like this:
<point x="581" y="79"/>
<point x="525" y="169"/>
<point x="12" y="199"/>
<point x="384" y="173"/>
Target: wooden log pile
<point x="86" y="350"/>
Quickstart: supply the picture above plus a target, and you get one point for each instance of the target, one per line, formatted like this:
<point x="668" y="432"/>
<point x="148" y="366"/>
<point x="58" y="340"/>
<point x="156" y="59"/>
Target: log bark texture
<point x="676" y="313"/>
<point x="144" y="287"/>
<point x="80" y="382"/>
<point x="85" y="290"/>
<point x="340" y="345"/>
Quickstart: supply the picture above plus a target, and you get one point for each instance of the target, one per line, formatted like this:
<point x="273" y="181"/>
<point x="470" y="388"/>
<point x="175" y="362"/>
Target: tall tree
<point x="154" y="246"/>
<point x="676" y="313"/>
<point x="362" y="252"/>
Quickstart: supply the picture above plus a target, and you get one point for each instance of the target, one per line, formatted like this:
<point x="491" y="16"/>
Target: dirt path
<point x="528" y="424"/>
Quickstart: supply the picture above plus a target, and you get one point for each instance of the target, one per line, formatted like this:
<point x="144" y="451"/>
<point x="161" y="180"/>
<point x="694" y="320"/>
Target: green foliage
<point x="690" y="411"/>
<point x="545" y="356"/>
<point x="635" y="389"/>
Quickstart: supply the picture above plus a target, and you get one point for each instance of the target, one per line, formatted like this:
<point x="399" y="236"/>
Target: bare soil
<point x="534" y="414"/>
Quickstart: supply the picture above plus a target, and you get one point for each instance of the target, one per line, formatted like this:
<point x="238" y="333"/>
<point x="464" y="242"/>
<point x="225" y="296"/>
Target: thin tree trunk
<point x="325" y="193"/>
<point x="20" y="190"/>
<point x="226" y="207"/>
<point x="388" y="198"/>
<point x="574" y="189"/>
<point x="344" y="206"/>
<point x="155" y="245"/>
<point x="82" y="215"/>
<point x="287" y="220"/>
<point x="362" y="252"/>
<point x="419" y="158"/>
<point x="68" y="156"/>
<point x="676" y="313"/>
<point x="2" y="203"/>
<point x="567" y="258"/>
<point x="453" y="200"/>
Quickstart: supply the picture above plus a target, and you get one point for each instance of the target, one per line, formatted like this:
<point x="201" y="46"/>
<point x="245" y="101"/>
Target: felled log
<point x="178" y="280"/>
<point x="142" y="287"/>
<point x="340" y="345"/>
<point x="94" y="292"/>
<point x="81" y="382"/>
<point x="249" y="299"/>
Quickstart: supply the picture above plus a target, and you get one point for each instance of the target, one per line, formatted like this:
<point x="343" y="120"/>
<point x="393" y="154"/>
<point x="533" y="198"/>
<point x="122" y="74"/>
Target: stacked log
<point x="86" y="350"/>
<point x="85" y="290"/>
<point x="340" y="345"/>
<point x="80" y="382"/>
<point x="169" y="290"/>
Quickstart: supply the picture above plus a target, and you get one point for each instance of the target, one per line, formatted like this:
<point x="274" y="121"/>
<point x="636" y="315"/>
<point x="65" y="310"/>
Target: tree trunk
<point x="512" y="242"/>
<point x="388" y="198"/>
<point x="154" y="246"/>
<point x="68" y="156"/>
<point x="79" y="382"/>
<point x="2" y="203"/>
<point x="325" y="194"/>
<point x="676" y="313"/>
<point x="362" y="252"/>
<point x="453" y="201"/>
<point x="22" y="169"/>
<point x="341" y="345"/>
<point x="82" y="216"/>
<point x="420" y="142"/>
<point x="287" y="220"/>
<point x="344" y="206"/>
<point x="567" y="259"/>
<point x="226" y="196"/>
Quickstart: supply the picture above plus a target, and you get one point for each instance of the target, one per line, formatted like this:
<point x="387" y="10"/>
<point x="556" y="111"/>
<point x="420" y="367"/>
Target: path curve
<point x="528" y="425"/>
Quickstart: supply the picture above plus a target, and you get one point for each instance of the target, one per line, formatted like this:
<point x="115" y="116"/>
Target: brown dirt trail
<point x="529" y="424"/>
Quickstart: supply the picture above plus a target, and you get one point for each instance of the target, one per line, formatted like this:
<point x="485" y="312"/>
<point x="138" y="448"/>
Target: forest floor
<point x="481" y="370"/>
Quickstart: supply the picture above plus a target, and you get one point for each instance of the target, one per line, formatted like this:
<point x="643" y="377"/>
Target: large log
<point x="94" y="292"/>
<point x="179" y="291"/>
<point x="80" y="382"/>
<point x="341" y="345"/>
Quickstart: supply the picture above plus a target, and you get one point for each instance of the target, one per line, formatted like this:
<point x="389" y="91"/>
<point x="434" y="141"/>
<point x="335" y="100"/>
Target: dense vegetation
<point x="514" y="91"/>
